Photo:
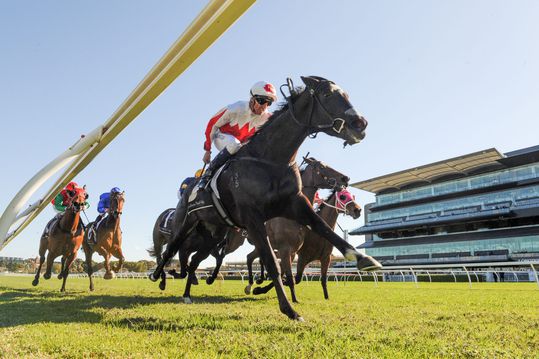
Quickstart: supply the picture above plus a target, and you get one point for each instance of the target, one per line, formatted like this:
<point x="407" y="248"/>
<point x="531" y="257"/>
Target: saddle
<point x="92" y="230"/>
<point x="209" y="197"/>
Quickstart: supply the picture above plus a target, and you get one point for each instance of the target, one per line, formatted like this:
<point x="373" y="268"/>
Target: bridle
<point x="316" y="174"/>
<point x="340" y="205"/>
<point x="116" y="198"/>
<point x="337" y="123"/>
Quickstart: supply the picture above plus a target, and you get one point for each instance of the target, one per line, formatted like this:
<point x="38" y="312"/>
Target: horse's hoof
<point x="183" y="274"/>
<point x="47" y="276"/>
<point x="109" y="275"/>
<point x="91" y="288"/>
<point x="247" y="289"/>
<point x="368" y="263"/>
<point x="174" y="274"/>
<point x="162" y="285"/>
<point x="187" y="300"/>
<point x="153" y="277"/>
<point x="257" y="291"/>
<point x="260" y="281"/>
<point x="194" y="280"/>
<point x="60" y="276"/>
<point x="210" y="280"/>
<point x="35" y="282"/>
<point x="300" y="319"/>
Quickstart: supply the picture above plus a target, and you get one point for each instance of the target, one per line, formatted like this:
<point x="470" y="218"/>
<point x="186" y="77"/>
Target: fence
<point x="472" y="273"/>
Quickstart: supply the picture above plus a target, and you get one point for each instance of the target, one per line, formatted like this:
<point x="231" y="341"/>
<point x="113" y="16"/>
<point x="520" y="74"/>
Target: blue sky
<point x="435" y="80"/>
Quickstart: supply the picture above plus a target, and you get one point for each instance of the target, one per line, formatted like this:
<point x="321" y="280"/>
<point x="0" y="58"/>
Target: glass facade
<point x="513" y="244"/>
<point x="482" y="202"/>
<point x="480" y="181"/>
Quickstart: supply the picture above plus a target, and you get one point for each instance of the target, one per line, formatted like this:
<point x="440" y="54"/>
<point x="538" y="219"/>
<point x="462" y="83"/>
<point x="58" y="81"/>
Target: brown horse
<point x="108" y="239"/>
<point x="64" y="238"/>
<point x="315" y="249"/>
<point x="288" y="238"/>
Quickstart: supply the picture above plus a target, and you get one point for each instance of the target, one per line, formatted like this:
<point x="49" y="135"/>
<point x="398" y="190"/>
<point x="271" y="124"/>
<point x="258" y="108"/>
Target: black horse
<point x="314" y="176"/>
<point x="262" y="181"/>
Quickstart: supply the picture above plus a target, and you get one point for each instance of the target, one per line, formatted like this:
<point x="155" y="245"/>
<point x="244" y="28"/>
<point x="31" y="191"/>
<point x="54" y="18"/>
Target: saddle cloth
<point x="165" y="226"/>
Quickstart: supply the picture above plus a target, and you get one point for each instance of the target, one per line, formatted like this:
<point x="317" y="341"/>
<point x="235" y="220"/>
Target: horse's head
<point x="78" y="197"/>
<point x="318" y="174"/>
<point x="345" y="202"/>
<point x="116" y="203"/>
<point x="332" y="112"/>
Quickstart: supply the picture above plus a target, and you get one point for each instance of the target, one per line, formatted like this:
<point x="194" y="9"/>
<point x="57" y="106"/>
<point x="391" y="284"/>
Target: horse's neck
<point x="70" y="220"/>
<point x="329" y="214"/>
<point x="113" y="223"/>
<point x="281" y="138"/>
<point x="308" y="190"/>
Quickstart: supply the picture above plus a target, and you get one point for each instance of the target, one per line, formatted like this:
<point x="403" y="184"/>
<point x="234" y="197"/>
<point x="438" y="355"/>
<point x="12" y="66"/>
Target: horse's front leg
<point x="43" y="244"/>
<point x="108" y="271"/>
<point x="257" y="231"/>
<point x="301" y="211"/>
<point x="121" y="259"/>
<point x="250" y="259"/>
<point x="88" y="257"/>
<point x="67" y="264"/>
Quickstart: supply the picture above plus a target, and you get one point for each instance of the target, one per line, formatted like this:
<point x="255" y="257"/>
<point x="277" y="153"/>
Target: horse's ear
<point x="310" y="81"/>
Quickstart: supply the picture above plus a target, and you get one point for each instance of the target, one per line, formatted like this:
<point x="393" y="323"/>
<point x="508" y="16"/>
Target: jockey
<point x="103" y="209"/>
<point x="62" y="199"/>
<point x="187" y="182"/>
<point x="60" y="203"/>
<point x="233" y="125"/>
<point x="104" y="203"/>
<point x="317" y="201"/>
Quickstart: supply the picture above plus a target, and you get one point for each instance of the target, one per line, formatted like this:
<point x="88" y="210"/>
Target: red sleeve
<point x="213" y="120"/>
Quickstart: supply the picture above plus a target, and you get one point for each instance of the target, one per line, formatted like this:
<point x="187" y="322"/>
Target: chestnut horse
<point x="108" y="239"/>
<point x="64" y="238"/>
<point x="288" y="238"/>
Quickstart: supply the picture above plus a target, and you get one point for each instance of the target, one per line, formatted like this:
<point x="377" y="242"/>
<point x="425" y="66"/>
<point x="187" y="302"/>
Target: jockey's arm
<point x="59" y="203"/>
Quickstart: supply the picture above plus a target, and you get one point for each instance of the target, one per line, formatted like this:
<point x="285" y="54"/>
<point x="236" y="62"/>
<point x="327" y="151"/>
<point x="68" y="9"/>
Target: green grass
<point x="133" y="318"/>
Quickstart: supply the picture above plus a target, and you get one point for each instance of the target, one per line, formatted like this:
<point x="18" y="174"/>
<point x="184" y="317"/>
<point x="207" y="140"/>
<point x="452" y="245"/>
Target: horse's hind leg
<point x="172" y="247"/>
<point x="324" y="266"/>
<point x="88" y="255"/>
<point x="218" y="262"/>
<point x="286" y="266"/>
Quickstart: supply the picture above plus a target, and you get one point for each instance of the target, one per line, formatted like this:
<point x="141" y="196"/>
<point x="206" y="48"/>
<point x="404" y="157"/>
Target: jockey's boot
<point x="217" y="162"/>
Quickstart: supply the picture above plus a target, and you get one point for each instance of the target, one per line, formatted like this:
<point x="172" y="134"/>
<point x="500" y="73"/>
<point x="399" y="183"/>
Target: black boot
<point x="217" y="162"/>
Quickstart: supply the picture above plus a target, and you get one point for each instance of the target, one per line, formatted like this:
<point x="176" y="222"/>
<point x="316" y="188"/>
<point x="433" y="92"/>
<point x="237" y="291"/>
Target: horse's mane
<point x="323" y="204"/>
<point x="281" y="108"/>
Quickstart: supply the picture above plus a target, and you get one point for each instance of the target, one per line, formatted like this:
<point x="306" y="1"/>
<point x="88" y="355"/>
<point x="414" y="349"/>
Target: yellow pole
<point x="207" y="27"/>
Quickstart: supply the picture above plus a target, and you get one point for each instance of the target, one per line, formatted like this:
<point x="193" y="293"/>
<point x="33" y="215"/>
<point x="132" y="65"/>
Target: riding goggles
<point x="263" y="100"/>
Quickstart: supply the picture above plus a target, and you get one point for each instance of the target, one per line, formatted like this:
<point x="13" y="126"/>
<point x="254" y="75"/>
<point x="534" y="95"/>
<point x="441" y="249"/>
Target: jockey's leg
<point x="228" y="145"/>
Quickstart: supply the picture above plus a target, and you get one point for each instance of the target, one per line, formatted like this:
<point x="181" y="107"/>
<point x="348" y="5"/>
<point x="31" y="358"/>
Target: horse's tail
<point x="157" y="237"/>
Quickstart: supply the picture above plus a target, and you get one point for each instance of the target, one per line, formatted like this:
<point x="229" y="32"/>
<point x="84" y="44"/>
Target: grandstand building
<point x="480" y="207"/>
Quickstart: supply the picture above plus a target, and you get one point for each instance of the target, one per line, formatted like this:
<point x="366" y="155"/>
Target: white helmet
<point x="263" y="88"/>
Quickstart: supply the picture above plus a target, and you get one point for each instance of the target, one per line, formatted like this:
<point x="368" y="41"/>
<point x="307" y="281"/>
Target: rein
<point x="337" y="123"/>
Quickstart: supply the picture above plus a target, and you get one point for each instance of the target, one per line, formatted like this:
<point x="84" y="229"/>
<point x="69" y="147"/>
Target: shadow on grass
<point x="27" y="306"/>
